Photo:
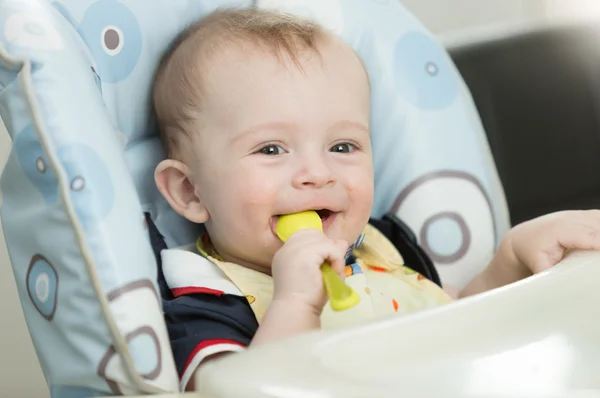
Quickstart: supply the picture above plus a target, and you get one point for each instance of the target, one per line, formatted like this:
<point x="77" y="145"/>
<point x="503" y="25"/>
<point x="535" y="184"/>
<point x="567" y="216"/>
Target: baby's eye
<point x="271" y="149"/>
<point x="343" y="147"/>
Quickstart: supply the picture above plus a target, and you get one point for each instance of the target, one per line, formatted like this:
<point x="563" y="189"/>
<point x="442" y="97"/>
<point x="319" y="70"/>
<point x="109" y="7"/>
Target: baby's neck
<point x="206" y="246"/>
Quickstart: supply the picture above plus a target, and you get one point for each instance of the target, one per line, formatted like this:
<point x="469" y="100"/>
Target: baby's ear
<point x="173" y="181"/>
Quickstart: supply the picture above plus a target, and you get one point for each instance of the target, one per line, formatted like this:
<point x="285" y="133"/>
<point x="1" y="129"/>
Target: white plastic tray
<point x="538" y="337"/>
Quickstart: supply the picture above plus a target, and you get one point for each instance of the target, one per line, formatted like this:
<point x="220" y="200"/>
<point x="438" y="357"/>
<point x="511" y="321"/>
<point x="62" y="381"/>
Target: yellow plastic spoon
<point x="341" y="296"/>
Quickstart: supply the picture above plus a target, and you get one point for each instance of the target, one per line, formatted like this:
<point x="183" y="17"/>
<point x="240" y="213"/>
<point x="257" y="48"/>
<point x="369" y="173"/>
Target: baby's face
<point x="276" y="140"/>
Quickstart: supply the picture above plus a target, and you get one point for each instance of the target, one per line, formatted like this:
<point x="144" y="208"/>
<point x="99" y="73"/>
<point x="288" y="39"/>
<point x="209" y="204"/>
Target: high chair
<point x="75" y="77"/>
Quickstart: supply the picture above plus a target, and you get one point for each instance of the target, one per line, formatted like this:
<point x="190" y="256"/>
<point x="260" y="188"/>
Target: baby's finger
<point x="582" y="237"/>
<point x="336" y="253"/>
<point x="341" y="268"/>
<point x="338" y="264"/>
<point x="304" y="236"/>
<point x="590" y="218"/>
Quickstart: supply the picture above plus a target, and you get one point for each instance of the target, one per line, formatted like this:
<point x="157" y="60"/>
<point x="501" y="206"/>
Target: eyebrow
<point x="349" y="124"/>
<point x="269" y="126"/>
<point x="285" y="126"/>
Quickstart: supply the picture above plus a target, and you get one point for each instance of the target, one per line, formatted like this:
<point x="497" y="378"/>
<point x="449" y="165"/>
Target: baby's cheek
<point x="360" y="191"/>
<point x="256" y="192"/>
<point x="360" y="188"/>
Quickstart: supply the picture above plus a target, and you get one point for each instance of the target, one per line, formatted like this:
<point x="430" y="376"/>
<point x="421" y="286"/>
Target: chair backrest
<point x="545" y="139"/>
<point x="74" y="95"/>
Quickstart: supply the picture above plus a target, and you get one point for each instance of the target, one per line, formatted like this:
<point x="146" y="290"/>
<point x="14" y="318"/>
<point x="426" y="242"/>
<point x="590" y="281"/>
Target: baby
<point x="264" y="114"/>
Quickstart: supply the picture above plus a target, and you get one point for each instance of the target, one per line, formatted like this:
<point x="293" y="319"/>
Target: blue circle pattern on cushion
<point x="144" y="345"/>
<point x="90" y="186"/>
<point x="123" y="40"/>
<point x="446" y="237"/>
<point x="423" y="74"/>
<point x="35" y="164"/>
<point x="114" y="37"/>
<point x="42" y="286"/>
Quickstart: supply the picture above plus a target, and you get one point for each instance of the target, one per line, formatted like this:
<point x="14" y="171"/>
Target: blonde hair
<point x="178" y="81"/>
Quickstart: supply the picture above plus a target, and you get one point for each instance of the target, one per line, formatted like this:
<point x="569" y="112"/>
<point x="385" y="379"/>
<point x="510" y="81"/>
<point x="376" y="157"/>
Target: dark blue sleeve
<point x="207" y="322"/>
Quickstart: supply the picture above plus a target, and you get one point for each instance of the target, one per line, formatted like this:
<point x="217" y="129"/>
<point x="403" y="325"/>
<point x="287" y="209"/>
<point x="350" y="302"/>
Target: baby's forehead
<point x="244" y="67"/>
<point x="244" y="56"/>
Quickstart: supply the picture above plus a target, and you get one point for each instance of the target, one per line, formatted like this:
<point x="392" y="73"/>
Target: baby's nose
<point x="314" y="174"/>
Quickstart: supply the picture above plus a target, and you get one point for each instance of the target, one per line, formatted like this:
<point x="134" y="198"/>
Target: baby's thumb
<point x="340" y="265"/>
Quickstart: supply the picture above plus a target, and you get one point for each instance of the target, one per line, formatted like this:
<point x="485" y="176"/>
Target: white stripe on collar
<point x="184" y="268"/>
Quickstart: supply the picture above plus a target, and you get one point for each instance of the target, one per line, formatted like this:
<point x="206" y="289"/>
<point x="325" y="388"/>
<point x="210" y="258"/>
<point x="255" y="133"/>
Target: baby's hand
<point x="296" y="267"/>
<point x="537" y="245"/>
<point x="541" y="243"/>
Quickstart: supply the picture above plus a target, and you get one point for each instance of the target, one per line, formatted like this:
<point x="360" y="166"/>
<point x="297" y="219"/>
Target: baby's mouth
<point x="327" y="216"/>
<point x="324" y="214"/>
